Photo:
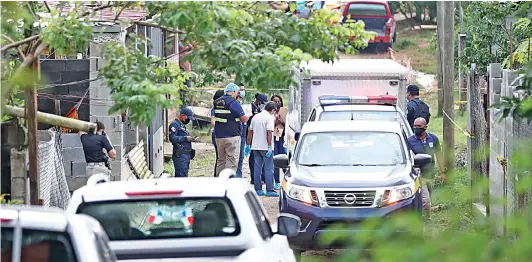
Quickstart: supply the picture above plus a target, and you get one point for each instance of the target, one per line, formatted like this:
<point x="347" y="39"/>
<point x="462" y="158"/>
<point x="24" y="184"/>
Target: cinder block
<point x="495" y="85"/>
<point x="76" y="182"/>
<point x="72" y="76"/>
<point x="18" y="187"/>
<point x="73" y="155"/>
<point x="110" y="122"/>
<point x="495" y="70"/>
<point x="52" y="77"/>
<point x="508" y="76"/>
<point x="79" y="168"/>
<point x="99" y="109"/>
<point x="115" y="137"/>
<point x="52" y="65"/>
<point x="71" y="140"/>
<point x="68" y="167"/>
<point x="99" y="91"/>
<point x="77" y="65"/>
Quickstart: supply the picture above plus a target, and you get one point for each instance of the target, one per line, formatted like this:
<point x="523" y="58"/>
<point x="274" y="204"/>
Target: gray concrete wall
<point x="506" y="136"/>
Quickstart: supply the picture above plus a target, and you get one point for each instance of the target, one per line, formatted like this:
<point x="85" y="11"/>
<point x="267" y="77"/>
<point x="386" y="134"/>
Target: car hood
<point x="350" y="176"/>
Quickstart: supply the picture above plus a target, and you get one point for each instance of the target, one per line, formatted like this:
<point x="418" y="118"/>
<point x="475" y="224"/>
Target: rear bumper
<point x="315" y="220"/>
<point x="381" y="40"/>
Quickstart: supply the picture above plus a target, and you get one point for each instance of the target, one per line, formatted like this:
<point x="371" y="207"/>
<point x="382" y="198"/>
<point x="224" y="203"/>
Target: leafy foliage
<point x="519" y="107"/>
<point x="488" y="36"/>
<point x="139" y="83"/>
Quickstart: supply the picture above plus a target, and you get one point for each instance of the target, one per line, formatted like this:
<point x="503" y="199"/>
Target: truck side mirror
<point x="296" y="136"/>
<point x="421" y="160"/>
<point x="288" y="225"/>
<point x="280" y="161"/>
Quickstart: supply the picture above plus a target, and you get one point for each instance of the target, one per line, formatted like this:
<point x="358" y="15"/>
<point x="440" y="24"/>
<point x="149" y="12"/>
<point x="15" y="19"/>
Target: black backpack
<point x="421" y="110"/>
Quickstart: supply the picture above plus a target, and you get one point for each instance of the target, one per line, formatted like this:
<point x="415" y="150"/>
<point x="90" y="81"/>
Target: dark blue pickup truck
<point x="346" y="172"/>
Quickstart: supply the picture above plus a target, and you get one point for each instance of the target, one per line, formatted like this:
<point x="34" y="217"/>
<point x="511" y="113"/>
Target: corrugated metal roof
<point x="105" y="14"/>
<point x="355" y="67"/>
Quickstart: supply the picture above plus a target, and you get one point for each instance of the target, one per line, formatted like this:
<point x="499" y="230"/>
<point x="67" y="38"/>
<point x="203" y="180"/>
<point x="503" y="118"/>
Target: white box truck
<point x="345" y="77"/>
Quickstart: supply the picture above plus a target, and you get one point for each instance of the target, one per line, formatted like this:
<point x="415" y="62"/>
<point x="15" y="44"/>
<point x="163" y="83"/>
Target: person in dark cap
<point x="229" y="116"/>
<point x="182" y="142"/>
<point x="256" y="107"/>
<point x="94" y="143"/>
<point x="217" y="95"/>
<point x="416" y="107"/>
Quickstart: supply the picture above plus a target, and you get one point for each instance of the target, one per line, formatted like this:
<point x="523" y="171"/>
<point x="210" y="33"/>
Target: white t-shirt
<point x="260" y="124"/>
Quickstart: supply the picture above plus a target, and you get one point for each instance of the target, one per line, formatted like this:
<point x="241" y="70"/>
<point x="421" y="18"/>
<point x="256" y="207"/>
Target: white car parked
<point x="34" y="233"/>
<point x="185" y="219"/>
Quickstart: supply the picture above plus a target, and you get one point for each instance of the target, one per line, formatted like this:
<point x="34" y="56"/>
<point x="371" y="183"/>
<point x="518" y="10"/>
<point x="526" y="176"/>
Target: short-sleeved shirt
<point x="410" y="110"/>
<point x="262" y="122"/>
<point x="429" y="146"/>
<point x="243" y="129"/>
<point x="236" y="111"/>
<point x="93" y="145"/>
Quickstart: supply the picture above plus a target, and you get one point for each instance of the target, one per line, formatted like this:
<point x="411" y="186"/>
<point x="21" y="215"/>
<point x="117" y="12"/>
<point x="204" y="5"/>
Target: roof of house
<point x="105" y="14"/>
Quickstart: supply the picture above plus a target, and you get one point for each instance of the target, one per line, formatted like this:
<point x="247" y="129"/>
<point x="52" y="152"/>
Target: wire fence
<point x="53" y="185"/>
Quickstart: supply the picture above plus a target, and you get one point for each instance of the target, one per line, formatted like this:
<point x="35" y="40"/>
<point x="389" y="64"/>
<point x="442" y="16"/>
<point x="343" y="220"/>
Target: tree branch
<point x="121" y="10"/>
<point x="21" y="42"/>
<point x="47" y="7"/>
<point x="20" y="53"/>
<point x="34" y="37"/>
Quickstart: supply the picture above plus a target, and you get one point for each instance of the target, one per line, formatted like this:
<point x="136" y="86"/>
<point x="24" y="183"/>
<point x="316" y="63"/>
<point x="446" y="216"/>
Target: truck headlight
<point x="398" y="193"/>
<point x="301" y="193"/>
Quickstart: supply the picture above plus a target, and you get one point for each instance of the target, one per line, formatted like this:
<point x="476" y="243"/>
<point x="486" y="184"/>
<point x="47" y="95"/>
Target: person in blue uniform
<point x="423" y="142"/>
<point x="182" y="142"/>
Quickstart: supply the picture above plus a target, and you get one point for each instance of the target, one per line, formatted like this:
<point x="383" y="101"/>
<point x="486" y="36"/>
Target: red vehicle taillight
<point x="388" y="28"/>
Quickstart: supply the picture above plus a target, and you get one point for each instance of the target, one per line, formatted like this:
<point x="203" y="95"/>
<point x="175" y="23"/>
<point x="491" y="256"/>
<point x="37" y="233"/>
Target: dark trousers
<point x="277" y="150"/>
<point x="266" y="164"/>
<point x="252" y="168"/>
<point x="181" y="164"/>
<point x="213" y="139"/>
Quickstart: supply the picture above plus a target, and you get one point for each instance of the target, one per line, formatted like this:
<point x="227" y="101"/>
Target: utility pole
<point x="448" y="84"/>
<point x="31" y="116"/>
<point x="440" y="12"/>
<point x="462" y="76"/>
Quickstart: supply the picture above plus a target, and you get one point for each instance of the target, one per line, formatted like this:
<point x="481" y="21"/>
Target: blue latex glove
<point x="247" y="150"/>
<point x="270" y="152"/>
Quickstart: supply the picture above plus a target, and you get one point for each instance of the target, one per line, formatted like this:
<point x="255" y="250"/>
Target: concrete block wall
<point x="506" y="138"/>
<point x="74" y="161"/>
<point x="19" y="171"/>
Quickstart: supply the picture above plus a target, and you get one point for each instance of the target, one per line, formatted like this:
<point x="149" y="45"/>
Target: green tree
<point x="247" y="40"/>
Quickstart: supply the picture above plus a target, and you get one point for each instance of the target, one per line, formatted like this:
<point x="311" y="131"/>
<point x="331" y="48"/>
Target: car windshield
<point x="359" y="115"/>
<point x="367" y="9"/>
<point x="167" y="218"/>
<point x="351" y="149"/>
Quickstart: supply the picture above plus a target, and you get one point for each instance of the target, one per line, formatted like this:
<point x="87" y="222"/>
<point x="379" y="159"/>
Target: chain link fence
<point x="53" y="185"/>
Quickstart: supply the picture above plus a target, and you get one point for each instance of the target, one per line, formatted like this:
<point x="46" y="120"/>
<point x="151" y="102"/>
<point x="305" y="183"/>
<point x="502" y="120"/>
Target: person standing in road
<point x="182" y="142"/>
<point x="423" y="142"/>
<point x="416" y="107"/>
<point x="229" y="115"/>
<point x="256" y="107"/>
<point x="94" y="144"/>
<point x="260" y="140"/>
<point x="243" y="134"/>
<point x="278" y="136"/>
<point x="218" y="94"/>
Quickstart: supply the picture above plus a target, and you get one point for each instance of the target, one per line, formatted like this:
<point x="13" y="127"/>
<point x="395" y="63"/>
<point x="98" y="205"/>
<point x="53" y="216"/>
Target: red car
<point x="377" y="17"/>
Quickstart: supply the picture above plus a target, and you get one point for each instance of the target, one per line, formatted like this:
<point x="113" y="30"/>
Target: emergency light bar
<point x="353" y="100"/>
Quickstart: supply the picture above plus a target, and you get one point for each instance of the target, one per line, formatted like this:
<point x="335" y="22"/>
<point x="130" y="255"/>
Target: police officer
<point x="94" y="144"/>
<point x="182" y="142"/>
<point x="423" y="142"/>
<point x="416" y="107"/>
<point x="228" y="115"/>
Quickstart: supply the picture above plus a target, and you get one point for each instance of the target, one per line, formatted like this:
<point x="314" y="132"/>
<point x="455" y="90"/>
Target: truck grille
<point x="350" y="198"/>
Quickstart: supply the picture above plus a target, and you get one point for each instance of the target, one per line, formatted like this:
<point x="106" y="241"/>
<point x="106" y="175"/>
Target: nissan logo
<point x="350" y="199"/>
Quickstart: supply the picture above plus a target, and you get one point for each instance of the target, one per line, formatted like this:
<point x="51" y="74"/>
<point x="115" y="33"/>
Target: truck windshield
<point x="351" y="149"/>
<point x="367" y="9"/>
<point x="165" y="218"/>
<point x="359" y="115"/>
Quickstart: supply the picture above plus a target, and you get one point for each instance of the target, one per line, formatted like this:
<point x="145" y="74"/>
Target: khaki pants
<point x="228" y="150"/>
<point x="426" y="190"/>
<point x="97" y="168"/>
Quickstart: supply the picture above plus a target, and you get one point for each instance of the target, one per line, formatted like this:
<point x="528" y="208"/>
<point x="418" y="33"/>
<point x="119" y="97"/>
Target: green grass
<point x="416" y="45"/>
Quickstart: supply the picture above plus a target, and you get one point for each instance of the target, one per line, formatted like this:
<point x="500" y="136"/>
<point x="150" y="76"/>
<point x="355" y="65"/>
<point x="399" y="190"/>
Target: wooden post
<point x="462" y="76"/>
<point x="448" y="85"/>
<point x="52" y="119"/>
<point x="31" y="118"/>
<point x="439" y="36"/>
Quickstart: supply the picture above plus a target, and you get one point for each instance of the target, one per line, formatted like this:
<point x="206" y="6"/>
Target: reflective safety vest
<point x="226" y="124"/>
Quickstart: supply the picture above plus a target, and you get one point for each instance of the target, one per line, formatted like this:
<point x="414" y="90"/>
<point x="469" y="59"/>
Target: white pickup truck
<point x="34" y="233"/>
<point x="345" y="77"/>
<point x="186" y="219"/>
